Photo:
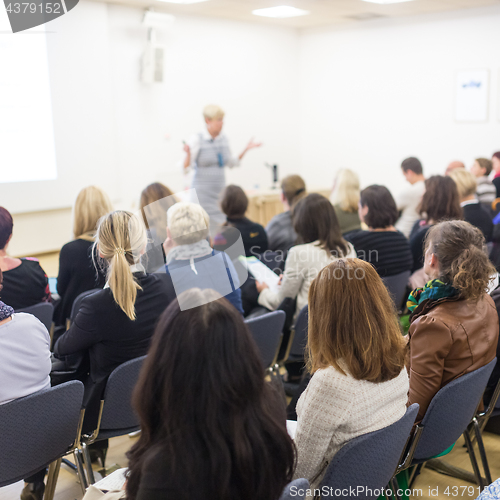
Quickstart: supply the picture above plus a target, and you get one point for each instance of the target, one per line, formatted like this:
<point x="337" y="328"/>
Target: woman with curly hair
<point x="453" y="322"/>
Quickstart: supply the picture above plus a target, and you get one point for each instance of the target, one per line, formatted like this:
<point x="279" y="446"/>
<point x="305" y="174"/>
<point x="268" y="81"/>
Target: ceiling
<point x="322" y="12"/>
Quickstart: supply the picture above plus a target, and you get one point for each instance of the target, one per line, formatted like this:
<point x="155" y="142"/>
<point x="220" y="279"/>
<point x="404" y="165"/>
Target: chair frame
<point x="408" y="460"/>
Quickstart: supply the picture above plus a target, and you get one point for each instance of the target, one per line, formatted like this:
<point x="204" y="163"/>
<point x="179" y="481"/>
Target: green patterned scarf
<point x="434" y="290"/>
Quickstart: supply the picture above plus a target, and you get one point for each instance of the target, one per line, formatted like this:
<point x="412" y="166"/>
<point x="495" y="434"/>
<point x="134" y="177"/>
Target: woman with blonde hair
<point x="115" y="324"/>
<point x="208" y="153"/>
<point x="155" y="201"/>
<point x="345" y="198"/>
<point x="473" y="211"/>
<point x="357" y="358"/>
<point x="77" y="272"/>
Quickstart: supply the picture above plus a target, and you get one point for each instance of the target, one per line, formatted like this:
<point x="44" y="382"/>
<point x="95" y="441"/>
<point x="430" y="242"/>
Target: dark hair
<point x="412" y="164"/>
<point x="382" y="210"/>
<point x="6" y="225"/>
<point x="294" y="188"/>
<point x="314" y="219"/>
<point x="202" y="401"/>
<point x="463" y="262"/>
<point x="486" y="164"/>
<point x="234" y="202"/>
<point x="156" y="199"/>
<point x="496" y="155"/>
<point x="440" y="200"/>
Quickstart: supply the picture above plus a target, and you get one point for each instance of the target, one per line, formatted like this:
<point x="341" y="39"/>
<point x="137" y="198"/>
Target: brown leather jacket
<point x="448" y="338"/>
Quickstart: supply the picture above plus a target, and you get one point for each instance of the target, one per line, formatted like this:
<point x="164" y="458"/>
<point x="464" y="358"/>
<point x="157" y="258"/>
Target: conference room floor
<point x="430" y="484"/>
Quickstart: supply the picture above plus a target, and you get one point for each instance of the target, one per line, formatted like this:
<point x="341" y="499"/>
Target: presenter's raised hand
<point x="251" y="145"/>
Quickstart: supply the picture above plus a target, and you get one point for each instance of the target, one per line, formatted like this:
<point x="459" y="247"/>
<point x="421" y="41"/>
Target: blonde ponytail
<point x="121" y="237"/>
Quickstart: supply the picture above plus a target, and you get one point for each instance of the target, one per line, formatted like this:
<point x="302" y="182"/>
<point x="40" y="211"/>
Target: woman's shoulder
<point x="29" y="265"/>
<point x="76" y="246"/>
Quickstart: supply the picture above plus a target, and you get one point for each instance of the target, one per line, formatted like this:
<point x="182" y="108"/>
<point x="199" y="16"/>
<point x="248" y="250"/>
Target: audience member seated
<point x="486" y="190"/>
<point x="234" y="204"/>
<point x="77" y="270"/>
<point x="24" y="281"/>
<point x="453" y="322"/>
<point x="156" y="199"/>
<point x="115" y="324"/>
<point x="191" y="261"/>
<point x="24" y="369"/>
<point x="472" y="209"/>
<point x="345" y="199"/>
<point x="454" y="165"/>
<point x="280" y="233"/>
<point x="212" y="428"/>
<point x="495" y="374"/>
<point x="321" y="243"/>
<point x="409" y="199"/>
<point x="495" y="162"/>
<point x="354" y="389"/>
<point x="440" y="202"/>
<point x="382" y="245"/>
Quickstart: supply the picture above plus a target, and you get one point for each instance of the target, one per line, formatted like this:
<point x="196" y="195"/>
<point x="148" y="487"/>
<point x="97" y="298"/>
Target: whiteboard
<point x="472" y="95"/>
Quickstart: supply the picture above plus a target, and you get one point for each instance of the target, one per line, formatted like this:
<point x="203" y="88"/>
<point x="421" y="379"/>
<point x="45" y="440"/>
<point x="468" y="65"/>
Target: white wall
<point x="111" y="129"/>
<point x="374" y="95"/>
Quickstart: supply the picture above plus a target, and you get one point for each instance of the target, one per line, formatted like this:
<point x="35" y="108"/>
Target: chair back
<point x="267" y="332"/>
<point x="77" y="303"/>
<point x="118" y="417"/>
<point x="369" y="462"/>
<point x="299" y="342"/>
<point x="43" y="311"/>
<point x="451" y="411"/>
<point x="296" y="490"/>
<point x="38" y="429"/>
<point x="396" y="285"/>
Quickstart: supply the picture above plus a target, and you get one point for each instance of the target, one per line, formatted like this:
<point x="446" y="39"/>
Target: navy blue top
<point x="215" y="271"/>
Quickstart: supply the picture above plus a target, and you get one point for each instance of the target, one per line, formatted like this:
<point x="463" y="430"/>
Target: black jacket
<point x="77" y="274"/>
<point x="104" y="332"/>
<point x="479" y="217"/>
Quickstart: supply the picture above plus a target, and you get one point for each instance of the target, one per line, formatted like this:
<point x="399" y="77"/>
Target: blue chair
<point x="44" y="311"/>
<point x="369" y="461"/>
<point x="299" y="342"/>
<point x="116" y="415"/>
<point x="447" y="417"/>
<point x="396" y="285"/>
<point x="296" y="490"/>
<point x="267" y="331"/>
<point x="37" y="430"/>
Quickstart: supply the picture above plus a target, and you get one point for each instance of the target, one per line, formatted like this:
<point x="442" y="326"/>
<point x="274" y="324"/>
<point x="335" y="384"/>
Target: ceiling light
<point x="280" y="12"/>
<point x="185" y="2"/>
<point x="383" y="2"/>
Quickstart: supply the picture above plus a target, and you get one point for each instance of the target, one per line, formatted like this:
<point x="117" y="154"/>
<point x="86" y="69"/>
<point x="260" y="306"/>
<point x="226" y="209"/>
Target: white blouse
<point x="303" y="264"/>
<point x="336" y="408"/>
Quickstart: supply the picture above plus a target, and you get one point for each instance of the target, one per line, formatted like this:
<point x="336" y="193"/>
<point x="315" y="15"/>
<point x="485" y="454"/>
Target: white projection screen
<point x="27" y="146"/>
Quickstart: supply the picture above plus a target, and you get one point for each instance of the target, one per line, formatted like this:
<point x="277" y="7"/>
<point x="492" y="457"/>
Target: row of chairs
<point x="40" y="429"/>
<point x="370" y="461"/>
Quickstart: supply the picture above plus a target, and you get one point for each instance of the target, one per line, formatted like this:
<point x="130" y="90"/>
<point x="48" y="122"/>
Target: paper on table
<point x="261" y="272"/>
<point x="114" y="481"/>
<point x="291" y="427"/>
